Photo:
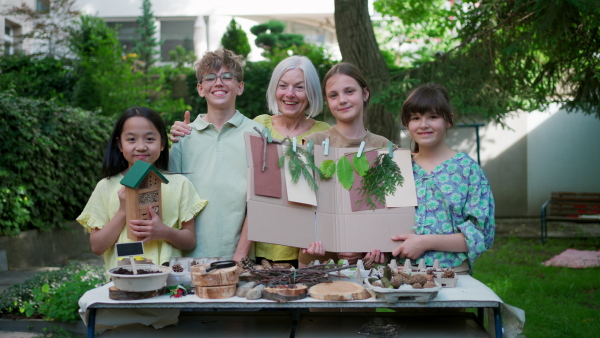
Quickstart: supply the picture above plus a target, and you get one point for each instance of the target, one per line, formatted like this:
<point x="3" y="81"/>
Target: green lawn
<point x="558" y="302"/>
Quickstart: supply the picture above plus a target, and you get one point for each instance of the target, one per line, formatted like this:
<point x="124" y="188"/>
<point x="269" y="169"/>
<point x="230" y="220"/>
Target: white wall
<point x="563" y="154"/>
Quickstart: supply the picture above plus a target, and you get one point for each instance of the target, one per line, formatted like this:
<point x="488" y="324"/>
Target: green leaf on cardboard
<point x="328" y="168"/>
<point x="345" y="172"/>
<point x="361" y="164"/>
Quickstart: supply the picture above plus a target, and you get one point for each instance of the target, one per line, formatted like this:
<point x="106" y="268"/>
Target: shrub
<point x="41" y="78"/>
<point x="51" y="159"/>
<point x="52" y="294"/>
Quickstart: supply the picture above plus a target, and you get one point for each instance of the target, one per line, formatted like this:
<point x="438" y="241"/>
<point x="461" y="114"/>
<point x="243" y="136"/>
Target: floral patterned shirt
<point x="455" y="198"/>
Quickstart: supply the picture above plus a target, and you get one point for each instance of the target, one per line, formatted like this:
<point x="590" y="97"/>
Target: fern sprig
<point x="298" y="167"/>
<point x="381" y="180"/>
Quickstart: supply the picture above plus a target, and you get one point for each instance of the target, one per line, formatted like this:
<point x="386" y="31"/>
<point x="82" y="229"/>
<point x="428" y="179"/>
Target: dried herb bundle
<point x="381" y="179"/>
<point x="298" y="167"/>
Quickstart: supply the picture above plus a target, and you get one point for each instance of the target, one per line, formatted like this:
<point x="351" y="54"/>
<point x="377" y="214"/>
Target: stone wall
<point x="34" y="248"/>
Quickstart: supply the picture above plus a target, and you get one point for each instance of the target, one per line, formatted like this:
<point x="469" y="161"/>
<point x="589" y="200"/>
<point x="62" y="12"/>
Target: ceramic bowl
<point x="141" y="282"/>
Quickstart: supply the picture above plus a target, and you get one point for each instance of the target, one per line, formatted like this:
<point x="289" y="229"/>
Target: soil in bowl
<point x="122" y="271"/>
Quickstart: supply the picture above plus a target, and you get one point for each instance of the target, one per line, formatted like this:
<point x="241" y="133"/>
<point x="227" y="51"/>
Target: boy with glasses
<point x="213" y="157"/>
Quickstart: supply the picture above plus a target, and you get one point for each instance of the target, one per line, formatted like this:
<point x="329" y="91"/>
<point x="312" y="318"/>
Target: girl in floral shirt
<point x="454" y="219"/>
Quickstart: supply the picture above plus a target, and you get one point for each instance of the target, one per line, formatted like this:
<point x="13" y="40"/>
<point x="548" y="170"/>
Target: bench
<point x="572" y="207"/>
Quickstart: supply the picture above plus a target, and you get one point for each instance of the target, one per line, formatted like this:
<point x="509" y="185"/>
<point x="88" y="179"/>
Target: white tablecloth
<point x="467" y="289"/>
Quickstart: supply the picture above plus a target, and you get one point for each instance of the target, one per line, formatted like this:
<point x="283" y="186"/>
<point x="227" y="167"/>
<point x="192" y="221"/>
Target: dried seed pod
<point x="368" y="264"/>
<point x="417" y="286"/>
<point x="429" y="284"/>
<point x="397" y="280"/>
<point x="430" y="278"/>
<point x="177" y="268"/>
<point x="421" y="279"/>
<point x="405" y="275"/>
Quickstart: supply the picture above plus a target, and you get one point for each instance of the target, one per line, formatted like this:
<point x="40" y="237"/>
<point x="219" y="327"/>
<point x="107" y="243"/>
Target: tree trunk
<point x="358" y="46"/>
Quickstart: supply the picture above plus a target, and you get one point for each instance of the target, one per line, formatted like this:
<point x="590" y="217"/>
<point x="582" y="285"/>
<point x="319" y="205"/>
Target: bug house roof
<point x="138" y="172"/>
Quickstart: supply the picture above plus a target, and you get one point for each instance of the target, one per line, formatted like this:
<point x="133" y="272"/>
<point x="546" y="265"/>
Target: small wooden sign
<point x="130" y="249"/>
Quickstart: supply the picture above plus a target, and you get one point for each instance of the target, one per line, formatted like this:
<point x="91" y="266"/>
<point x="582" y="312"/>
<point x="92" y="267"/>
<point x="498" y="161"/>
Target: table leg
<point x="295" y="319"/>
<point x="91" y="323"/>
<point x="498" y="322"/>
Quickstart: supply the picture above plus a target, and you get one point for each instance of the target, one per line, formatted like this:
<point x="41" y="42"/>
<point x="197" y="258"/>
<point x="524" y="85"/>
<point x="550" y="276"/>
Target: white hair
<point x="312" y="86"/>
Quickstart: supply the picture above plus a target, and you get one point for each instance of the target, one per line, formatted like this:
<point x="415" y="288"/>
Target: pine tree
<point x="146" y="44"/>
<point x="236" y="40"/>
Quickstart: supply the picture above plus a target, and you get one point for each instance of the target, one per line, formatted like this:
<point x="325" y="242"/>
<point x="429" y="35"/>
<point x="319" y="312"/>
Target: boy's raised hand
<point x="151" y="229"/>
<point x="181" y="128"/>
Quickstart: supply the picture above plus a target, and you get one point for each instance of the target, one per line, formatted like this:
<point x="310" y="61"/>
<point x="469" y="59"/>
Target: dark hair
<point x="427" y="98"/>
<point x="114" y="162"/>
<point x="351" y="70"/>
<point x="213" y="61"/>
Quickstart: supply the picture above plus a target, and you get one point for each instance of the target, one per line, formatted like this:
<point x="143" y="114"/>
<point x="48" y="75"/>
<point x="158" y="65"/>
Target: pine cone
<point x="266" y="264"/>
<point x="282" y="265"/>
<point x="448" y="273"/>
<point x="177" y="268"/>
<point x="368" y="264"/>
<point x="247" y="264"/>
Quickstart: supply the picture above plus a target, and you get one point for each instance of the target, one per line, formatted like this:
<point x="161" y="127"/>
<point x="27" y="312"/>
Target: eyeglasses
<point x="212" y="78"/>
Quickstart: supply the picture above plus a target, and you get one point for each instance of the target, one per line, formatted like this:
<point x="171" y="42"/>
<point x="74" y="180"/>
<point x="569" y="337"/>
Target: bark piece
<point x="217" y="277"/>
<point x="216" y="292"/>
<point x="339" y="290"/>
<point x="285" y="293"/>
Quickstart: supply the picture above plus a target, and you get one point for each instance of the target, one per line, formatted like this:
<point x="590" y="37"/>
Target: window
<point x="8" y="42"/>
<point x="176" y="33"/>
<point x="42" y="6"/>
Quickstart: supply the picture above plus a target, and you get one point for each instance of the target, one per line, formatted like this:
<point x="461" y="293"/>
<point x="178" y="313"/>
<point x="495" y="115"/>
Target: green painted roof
<point x="138" y="171"/>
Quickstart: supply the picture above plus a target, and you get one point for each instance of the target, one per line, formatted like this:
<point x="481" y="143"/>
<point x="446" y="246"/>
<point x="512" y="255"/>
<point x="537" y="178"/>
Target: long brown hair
<point x="351" y="70"/>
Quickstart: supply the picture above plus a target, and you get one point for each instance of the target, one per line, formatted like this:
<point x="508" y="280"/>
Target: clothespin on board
<point x="360" y="149"/>
<point x="391" y="149"/>
<point x="267" y="133"/>
<point x="326" y="147"/>
<point x="294" y="144"/>
<point x="310" y="145"/>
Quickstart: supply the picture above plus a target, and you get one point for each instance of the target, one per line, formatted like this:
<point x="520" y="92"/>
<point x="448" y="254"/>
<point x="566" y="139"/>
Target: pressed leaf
<point x="361" y="164"/>
<point x="345" y="172"/>
<point x="328" y="168"/>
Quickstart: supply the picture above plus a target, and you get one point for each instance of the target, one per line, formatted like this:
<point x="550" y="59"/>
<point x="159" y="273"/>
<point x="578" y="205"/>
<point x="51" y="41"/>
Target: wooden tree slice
<point x="339" y="290"/>
<point x="285" y="294"/>
<point x="227" y="276"/>
<point x="116" y="294"/>
<point x="215" y="292"/>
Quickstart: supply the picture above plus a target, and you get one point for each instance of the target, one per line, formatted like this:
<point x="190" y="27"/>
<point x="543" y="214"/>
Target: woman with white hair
<point x="294" y="98"/>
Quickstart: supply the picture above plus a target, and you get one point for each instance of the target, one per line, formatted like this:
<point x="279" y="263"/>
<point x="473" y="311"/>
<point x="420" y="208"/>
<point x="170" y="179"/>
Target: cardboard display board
<point x="332" y="221"/>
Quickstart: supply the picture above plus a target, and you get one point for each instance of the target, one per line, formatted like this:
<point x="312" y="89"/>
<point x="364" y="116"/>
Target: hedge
<point x="51" y="160"/>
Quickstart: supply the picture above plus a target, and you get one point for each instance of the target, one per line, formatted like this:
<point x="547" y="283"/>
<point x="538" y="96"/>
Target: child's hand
<point x="149" y="229"/>
<point x="375" y="256"/>
<point x="181" y="128"/>
<point x="315" y="248"/>
<point x="412" y="247"/>
<point x="352" y="257"/>
<point x="121" y="194"/>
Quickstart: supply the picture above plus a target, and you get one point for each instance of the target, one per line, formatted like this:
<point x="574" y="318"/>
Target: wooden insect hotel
<point x="142" y="190"/>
